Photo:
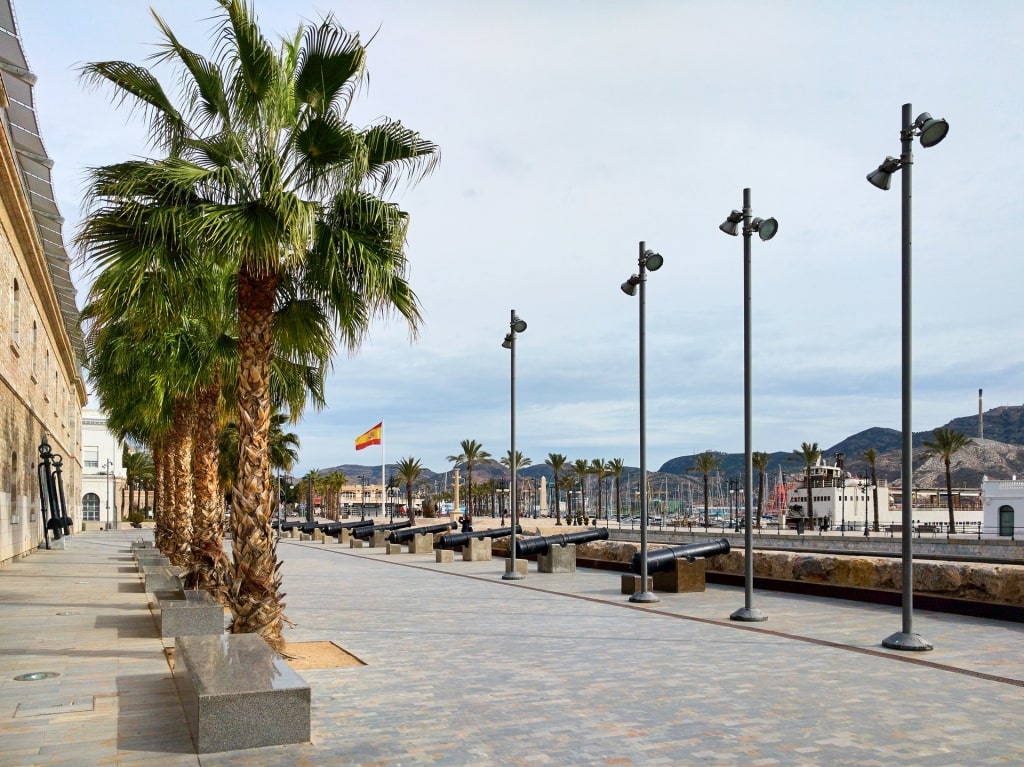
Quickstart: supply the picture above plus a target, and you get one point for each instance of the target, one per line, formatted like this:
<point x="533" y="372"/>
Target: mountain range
<point x="1000" y="455"/>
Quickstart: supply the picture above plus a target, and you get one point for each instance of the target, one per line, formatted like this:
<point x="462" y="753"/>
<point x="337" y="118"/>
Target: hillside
<point x="999" y="455"/>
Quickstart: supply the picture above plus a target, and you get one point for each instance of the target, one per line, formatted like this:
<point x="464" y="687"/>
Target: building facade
<point x="1002" y="504"/>
<point x="103" y="474"/>
<point x="41" y="386"/>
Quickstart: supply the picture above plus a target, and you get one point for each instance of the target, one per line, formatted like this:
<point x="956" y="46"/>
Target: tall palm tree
<point x="408" y="472"/>
<point x="557" y="462"/>
<point x="521" y="463"/>
<point x="568" y="482"/>
<point x="292" y="200"/>
<point x="473" y="453"/>
<point x="581" y="468"/>
<point x="947" y="443"/>
<point x="871" y="456"/>
<point x="138" y="469"/>
<point x="808" y="454"/>
<point x="599" y="468"/>
<point x="615" y="468"/>
<point x="760" y="461"/>
<point x="703" y="464"/>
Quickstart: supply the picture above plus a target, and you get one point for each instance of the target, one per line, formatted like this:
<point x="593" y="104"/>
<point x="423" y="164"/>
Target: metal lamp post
<point x="515" y="327"/>
<point x="106" y="484"/>
<point x="648" y="261"/>
<point x="766" y="228"/>
<point x="866" y="532"/>
<point x="931" y="131"/>
<point x="840" y="461"/>
<point x="362" y="498"/>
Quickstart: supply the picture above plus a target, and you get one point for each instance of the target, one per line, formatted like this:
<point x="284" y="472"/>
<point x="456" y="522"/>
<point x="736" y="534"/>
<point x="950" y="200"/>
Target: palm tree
<point x="138" y="468"/>
<point x="871" y="456"/>
<point x="472" y="453"/>
<point x="703" y="464"/>
<point x="568" y="482"/>
<point x="557" y="462"/>
<point x="615" y="468"/>
<point x="581" y="468"/>
<point x="599" y="468"/>
<point x="947" y="443"/>
<point x="291" y="196"/>
<point x="760" y="461"/>
<point x="521" y="463"/>
<point x="809" y="454"/>
<point x="408" y="471"/>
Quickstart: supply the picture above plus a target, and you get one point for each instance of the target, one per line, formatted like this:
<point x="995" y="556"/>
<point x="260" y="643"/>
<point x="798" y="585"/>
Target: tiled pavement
<point x="464" y="668"/>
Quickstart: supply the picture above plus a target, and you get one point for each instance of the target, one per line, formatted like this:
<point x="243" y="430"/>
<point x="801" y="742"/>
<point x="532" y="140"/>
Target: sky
<point x="570" y="132"/>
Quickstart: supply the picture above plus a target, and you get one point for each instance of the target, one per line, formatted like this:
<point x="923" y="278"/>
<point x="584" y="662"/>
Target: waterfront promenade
<point x="464" y="668"/>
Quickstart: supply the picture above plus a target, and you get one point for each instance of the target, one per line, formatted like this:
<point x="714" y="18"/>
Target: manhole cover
<point x="67" y="612"/>
<point x="35" y="676"/>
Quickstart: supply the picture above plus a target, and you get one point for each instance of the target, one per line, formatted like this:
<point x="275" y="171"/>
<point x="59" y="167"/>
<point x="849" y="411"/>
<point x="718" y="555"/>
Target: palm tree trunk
<point x="558" y="502"/>
<point x="874" y="493"/>
<point x="707" y="515"/>
<point x="160" y="514"/>
<point x="949" y="497"/>
<point x="254" y="594"/>
<point x="180" y="552"/>
<point x="209" y="563"/>
<point x="760" y="496"/>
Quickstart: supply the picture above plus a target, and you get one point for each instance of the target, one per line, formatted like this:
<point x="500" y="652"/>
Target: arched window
<point x="91" y="507"/>
<point x="1006" y="521"/>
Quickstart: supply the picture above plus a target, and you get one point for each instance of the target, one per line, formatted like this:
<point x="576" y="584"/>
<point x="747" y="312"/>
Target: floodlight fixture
<point x="766" y="228"/>
<point x="931" y="130"/>
<point x="882" y="175"/>
<point x="653" y="261"/>
<point x="731" y="225"/>
<point x="629" y="286"/>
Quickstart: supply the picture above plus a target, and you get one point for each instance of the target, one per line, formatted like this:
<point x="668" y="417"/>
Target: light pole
<point x="931" y="132"/>
<point x="106" y="483"/>
<point x="766" y="228"/>
<point x="866" y="487"/>
<point x="515" y="327"/>
<point x="648" y="261"/>
<point x="840" y="460"/>
<point x="362" y="501"/>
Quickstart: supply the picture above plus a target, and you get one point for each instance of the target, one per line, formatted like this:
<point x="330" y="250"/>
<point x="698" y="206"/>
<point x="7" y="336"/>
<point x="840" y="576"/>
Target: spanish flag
<point x="371" y="437"/>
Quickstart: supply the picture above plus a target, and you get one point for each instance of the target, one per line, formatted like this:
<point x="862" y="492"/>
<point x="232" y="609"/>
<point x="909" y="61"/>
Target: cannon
<point x="659" y="560"/>
<point x="334" y="528"/>
<point x="455" y="540"/>
<point x="542" y="544"/>
<point x="406" y="534"/>
<point x="367" y="531"/>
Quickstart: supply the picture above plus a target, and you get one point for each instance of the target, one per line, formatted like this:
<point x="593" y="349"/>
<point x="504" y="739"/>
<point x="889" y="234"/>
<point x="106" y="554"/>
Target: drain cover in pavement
<point x="35" y="676"/>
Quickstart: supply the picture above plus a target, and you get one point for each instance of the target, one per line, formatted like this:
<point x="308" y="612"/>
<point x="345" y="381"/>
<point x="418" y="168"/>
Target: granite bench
<point x="193" y="613"/>
<point x="238" y="693"/>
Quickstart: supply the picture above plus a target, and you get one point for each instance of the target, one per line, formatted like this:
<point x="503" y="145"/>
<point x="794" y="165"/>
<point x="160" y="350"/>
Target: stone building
<point x="41" y="387"/>
<point x="1001" y="499"/>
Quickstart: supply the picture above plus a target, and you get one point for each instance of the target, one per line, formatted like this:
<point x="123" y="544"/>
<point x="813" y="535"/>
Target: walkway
<point x="463" y="668"/>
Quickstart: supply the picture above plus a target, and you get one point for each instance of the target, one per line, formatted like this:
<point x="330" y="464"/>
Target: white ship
<point x="840" y="501"/>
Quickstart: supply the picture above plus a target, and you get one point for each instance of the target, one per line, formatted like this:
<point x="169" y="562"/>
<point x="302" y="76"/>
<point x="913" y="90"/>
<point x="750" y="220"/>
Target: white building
<point x="103" y="476"/>
<point x="1000" y="500"/>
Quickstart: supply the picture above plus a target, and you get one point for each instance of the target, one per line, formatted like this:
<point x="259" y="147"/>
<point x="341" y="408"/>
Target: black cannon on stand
<point x="335" y="528"/>
<point x="659" y="560"/>
<point x="541" y="544"/>
<point x="366" y="531"/>
<point x="457" y="540"/>
<point x="406" y="534"/>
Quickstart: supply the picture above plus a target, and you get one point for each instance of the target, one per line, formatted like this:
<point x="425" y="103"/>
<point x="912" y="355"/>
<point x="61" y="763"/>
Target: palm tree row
<point x="229" y="266"/>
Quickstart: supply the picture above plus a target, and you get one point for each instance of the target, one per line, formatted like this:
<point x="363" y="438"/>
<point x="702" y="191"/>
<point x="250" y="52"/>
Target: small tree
<point x="704" y="464"/>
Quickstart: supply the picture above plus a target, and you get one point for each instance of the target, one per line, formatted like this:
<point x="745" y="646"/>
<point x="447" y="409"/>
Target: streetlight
<point x="766" y="228"/>
<point x="362" y="502"/>
<point x="866" y="486"/>
<point x="648" y="261"/>
<point x="840" y="460"/>
<point x="515" y="327"/>
<point x="106" y="483"/>
<point x="931" y="131"/>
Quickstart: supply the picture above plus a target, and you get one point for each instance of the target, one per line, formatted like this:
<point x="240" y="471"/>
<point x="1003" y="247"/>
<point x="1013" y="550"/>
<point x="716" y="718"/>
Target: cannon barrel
<point x="662" y="559"/>
<point x="455" y="540"/>
<point x="541" y="544"/>
<point x="367" y="531"/>
<point x="333" y="528"/>
<point x="406" y="534"/>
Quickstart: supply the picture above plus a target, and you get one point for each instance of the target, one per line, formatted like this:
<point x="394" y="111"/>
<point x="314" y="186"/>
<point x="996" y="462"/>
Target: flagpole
<point x="383" y="463"/>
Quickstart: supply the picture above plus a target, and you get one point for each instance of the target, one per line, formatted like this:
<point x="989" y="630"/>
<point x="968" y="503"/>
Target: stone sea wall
<point x="964" y="580"/>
